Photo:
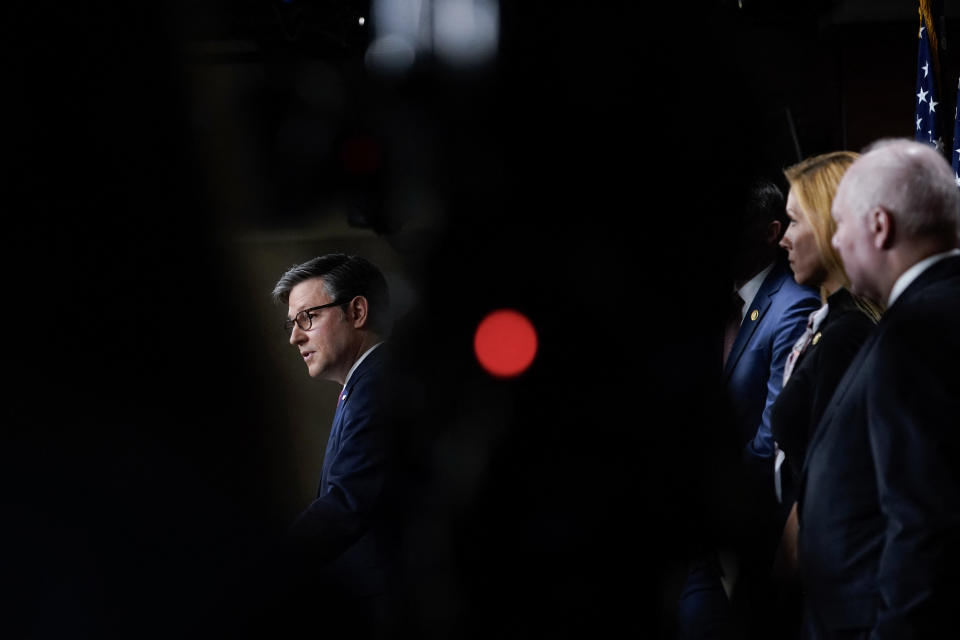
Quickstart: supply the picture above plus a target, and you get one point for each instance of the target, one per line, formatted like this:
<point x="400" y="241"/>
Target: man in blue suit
<point x="337" y="319"/>
<point x="879" y="500"/>
<point x="775" y="313"/>
<point x="769" y="312"/>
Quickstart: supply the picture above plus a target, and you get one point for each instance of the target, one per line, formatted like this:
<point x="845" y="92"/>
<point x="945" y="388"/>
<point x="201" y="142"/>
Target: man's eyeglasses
<point x="304" y="319"/>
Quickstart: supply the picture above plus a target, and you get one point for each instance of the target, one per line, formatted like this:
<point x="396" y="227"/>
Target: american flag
<point x="927" y="129"/>
<point x="956" y="139"/>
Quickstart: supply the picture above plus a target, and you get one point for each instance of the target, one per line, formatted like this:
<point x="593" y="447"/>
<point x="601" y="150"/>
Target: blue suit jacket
<point x="346" y="526"/>
<point x="754" y="369"/>
<point x="753" y="375"/>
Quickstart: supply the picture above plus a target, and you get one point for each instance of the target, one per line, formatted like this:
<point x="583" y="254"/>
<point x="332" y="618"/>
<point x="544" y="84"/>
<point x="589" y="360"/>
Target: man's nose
<point x="297" y="335"/>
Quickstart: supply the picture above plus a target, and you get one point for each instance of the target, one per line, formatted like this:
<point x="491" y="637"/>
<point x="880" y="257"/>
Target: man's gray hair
<point x="910" y="180"/>
<point x="343" y="276"/>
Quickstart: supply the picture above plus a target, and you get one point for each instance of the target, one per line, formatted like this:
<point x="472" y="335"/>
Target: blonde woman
<point x="834" y="332"/>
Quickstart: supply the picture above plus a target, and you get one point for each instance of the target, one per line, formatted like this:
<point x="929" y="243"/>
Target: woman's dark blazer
<point x="815" y="375"/>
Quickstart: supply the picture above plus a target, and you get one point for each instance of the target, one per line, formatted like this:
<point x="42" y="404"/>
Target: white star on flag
<point x="928" y="120"/>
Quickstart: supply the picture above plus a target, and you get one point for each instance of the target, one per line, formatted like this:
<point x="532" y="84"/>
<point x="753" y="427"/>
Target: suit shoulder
<point x="941" y="298"/>
<point x="366" y="385"/>
<point x="371" y="368"/>
<point x="928" y="325"/>
<point x="793" y="290"/>
<point x="796" y="299"/>
<point x="781" y="286"/>
<point x="850" y="323"/>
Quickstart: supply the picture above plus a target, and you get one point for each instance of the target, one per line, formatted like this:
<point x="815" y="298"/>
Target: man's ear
<point x="358" y="312"/>
<point x="773" y="232"/>
<point x="882" y="226"/>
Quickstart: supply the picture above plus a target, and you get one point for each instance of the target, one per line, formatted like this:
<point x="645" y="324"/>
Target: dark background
<point x="166" y="163"/>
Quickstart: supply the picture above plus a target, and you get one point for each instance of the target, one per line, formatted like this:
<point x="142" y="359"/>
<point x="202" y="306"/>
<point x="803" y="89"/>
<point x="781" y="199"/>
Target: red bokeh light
<point x="505" y="343"/>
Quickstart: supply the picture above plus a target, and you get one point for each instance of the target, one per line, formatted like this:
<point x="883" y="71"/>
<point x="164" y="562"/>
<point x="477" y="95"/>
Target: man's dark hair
<point x="344" y="277"/>
<point x="764" y="203"/>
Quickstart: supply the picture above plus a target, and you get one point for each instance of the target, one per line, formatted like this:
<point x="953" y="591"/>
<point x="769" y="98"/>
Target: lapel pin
<point x="754" y="315"/>
<point x="816" y="338"/>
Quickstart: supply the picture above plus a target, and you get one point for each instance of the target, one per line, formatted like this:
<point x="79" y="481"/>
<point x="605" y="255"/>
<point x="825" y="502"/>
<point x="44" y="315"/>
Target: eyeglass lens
<point x="303" y="319"/>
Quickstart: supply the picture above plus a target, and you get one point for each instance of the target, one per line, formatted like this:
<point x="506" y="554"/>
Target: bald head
<point x="910" y="180"/>
<point x="896" y="205"/>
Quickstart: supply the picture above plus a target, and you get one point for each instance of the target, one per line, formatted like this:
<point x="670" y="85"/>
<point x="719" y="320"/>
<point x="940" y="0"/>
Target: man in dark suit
<point x="879" y="504"/>
<point x="770" y="311"/>
<point x="338" y="319"/>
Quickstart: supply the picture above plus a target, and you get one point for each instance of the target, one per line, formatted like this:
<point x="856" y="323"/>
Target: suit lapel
<point x="934" y="273"/>
<point x="368" y="364"/>
<point x="338" y="417"/>
<point x="342" y="405"/>
<point x="842" y="387"/>
<point x="760" y="304"/>
<point x="336" y="430"/>
<point x="333" y="443"/>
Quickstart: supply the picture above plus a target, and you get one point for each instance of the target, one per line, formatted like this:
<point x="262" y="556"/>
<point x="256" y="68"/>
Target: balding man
<point x="880" y="494"/>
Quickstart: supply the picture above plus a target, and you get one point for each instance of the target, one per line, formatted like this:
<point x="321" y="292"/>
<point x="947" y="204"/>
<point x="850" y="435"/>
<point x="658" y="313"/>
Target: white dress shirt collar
<point x="749" y="290"/>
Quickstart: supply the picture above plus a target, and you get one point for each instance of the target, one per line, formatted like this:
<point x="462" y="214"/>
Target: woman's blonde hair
<point x="814" y="183"/>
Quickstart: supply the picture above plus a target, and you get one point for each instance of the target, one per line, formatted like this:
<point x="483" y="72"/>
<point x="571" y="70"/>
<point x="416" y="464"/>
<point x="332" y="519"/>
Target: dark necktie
<point x="732" y="326"/>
